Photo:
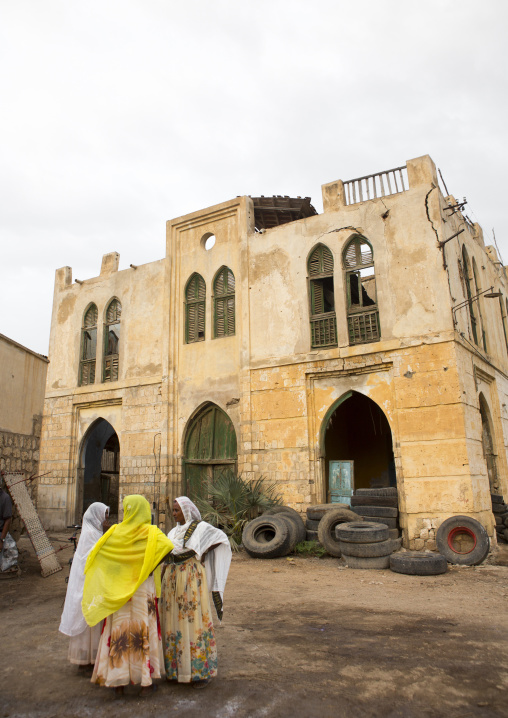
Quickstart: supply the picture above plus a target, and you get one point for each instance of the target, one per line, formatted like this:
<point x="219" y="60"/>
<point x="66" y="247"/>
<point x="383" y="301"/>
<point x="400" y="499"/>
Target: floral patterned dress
<point x="130" y="649"/>
<point x="190" y="651"/>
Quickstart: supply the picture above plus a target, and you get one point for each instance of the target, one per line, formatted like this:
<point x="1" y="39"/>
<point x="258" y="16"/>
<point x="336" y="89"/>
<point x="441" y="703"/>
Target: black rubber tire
<point x="312" y="536"/>
<point x="497" y="499"/>
<point x="370" y="550"/>
<point x="316" y="513"/>
<point x="471" y="528"/>
<point x="312" y="525"/>
<point x="390" y="522"/>
<point x="379" y="512"/>
<point x="267" y="537"/>
<point x="499" y="508"/>
<point x="418" y="563"/>
<point x="499" y="519"/>
<point x="505" y="522"/>
<point x="505" y="534"/>
<point x="367" y="563"/>
<point x="326" y="529"/>
<point x="386" y="491"/>
<point x="293" y="516"/>
<point x="357" y="532"/>
<point x="504" y="516"/>
<point x="393" y="533"/>
<point x="374" y="501"/>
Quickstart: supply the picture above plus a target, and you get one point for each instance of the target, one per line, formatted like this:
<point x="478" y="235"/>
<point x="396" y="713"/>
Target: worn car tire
<point x="505" y="534"/>
<point x="357" y="532"/>
<point x="326" y="529"/>
<point x="497" y="499"/>
<point x="316" y="513"/>
<point x="267" y="537"/>
<point x="394" y="533"/>
<point x="418" y="563"/>
<point x="374" y="501"/>
<point x="291" y="515"/>
<point x="312" y="525"/>
<point x="370" y="550"/>
<point x="368" y="563"/>
<point x="505" y="522"/>
<point x="499" y="508"/>
<point x="377" y="511"/>
<point x="499" y="519"/>
<point x="462" y="540"/>
<point x="312" y="536"/>
<point x="385" y="491"/>
<point x="390" y="522"/>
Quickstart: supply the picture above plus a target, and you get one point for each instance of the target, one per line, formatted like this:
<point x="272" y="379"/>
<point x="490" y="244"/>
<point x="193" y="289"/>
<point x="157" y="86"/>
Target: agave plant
<point x="232" y="501"/>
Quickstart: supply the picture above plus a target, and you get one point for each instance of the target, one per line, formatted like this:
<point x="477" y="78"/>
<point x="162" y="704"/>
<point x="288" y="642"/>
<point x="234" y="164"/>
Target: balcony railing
<point x="364" y="327"/>
<point x="381" y="184"/>
<point x="324" y="331"/>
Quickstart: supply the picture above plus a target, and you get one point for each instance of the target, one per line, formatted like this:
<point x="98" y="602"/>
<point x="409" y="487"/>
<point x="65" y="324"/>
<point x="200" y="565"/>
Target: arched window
<point x="224" y="303"/>
<point x="362" y="309"/>
<point x="468" y="280"/>
<point x="323" y="323"/>
<point x="112" y="341"/>
<point x="195" y="296"/>
<point x="478" y="287"/>
<point x="88" y="346"/>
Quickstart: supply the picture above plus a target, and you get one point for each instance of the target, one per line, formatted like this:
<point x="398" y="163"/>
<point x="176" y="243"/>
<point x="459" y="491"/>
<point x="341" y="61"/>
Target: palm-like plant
<point x="232" y="501"/>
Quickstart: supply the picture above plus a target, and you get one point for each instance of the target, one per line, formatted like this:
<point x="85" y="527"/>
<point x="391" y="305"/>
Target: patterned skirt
<point x="190" y="651"/>
<point x="130" y="649"/>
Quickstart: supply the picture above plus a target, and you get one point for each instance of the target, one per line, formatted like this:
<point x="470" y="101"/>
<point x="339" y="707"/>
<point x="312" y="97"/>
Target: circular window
<point x="208" y="241"/>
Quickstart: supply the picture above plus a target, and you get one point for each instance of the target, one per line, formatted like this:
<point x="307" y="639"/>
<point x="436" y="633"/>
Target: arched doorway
<point x="210" y="448"/>
<point x="357" y="447"/>
<point x="488" y="447"/>
<point x="99" y="471"/>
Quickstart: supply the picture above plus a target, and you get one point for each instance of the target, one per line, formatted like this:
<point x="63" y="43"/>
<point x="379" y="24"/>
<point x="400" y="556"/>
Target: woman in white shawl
<point x="84" y="640"/>
<point x="188" y="638"/>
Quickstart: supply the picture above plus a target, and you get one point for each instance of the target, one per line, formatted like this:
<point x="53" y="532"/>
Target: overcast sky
<point x="118" y="115"/>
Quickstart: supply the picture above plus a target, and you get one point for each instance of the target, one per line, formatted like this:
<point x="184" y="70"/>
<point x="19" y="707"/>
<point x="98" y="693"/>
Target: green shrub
<point x="232" y="501"/>
<point x="310" y="548"/>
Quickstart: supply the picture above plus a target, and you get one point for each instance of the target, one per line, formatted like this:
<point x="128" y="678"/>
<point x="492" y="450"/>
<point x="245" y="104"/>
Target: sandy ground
<point x="301" y="637"/>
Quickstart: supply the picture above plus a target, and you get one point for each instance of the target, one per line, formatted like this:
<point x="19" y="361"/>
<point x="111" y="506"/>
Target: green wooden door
<point x="210" y="448"/>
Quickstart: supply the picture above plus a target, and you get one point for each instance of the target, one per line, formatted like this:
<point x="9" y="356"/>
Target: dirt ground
<point x="303" y="637"/>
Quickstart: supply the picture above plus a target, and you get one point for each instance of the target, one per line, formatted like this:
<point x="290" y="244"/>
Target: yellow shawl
<point x="122" y="560"/>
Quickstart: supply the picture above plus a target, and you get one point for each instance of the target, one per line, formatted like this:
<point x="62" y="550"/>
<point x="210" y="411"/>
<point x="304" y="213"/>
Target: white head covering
<point x="73" y="622"/>
<point x="205" y="535"/>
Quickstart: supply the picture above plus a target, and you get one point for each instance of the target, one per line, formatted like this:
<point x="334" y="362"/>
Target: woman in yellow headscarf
<point x="122" y="582"/>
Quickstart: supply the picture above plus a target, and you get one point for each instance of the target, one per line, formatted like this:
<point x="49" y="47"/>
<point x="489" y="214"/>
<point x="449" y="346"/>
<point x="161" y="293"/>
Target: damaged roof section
<point x="272" y="211"/>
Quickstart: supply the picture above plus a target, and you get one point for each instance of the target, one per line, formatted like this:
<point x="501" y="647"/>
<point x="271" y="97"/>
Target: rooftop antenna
<point x="444" y="183"/>
<point x="495" y="242"/>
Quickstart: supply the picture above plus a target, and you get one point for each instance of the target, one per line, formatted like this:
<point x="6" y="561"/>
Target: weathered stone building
<point x="284" y="342"/>
<point x="22" y="385"/>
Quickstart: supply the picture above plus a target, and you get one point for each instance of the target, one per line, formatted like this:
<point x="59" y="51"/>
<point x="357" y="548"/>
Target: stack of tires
<point x="315" y="514"/>
<point x="500" y="510"/>
<point x="366" y="545"/>
<point x="378" y="506"/>
<point x="273" y="534"/>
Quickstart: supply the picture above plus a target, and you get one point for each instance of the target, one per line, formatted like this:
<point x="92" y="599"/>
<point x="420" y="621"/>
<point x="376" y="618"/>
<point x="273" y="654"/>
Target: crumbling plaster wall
<point x="22" y="381"/>
<point x="212" y="370"/>
<point x="133" y="404"/>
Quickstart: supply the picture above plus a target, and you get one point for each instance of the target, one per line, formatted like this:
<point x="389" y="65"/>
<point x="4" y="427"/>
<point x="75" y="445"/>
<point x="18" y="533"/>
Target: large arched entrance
<point x="210" y="448"/>
<point x="488" y="447"/>
<point x="357" y="447"/>
<point x="99" y="470"/>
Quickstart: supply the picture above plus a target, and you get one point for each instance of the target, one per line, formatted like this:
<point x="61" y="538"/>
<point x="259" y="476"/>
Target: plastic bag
<point x="9" y="554"/>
